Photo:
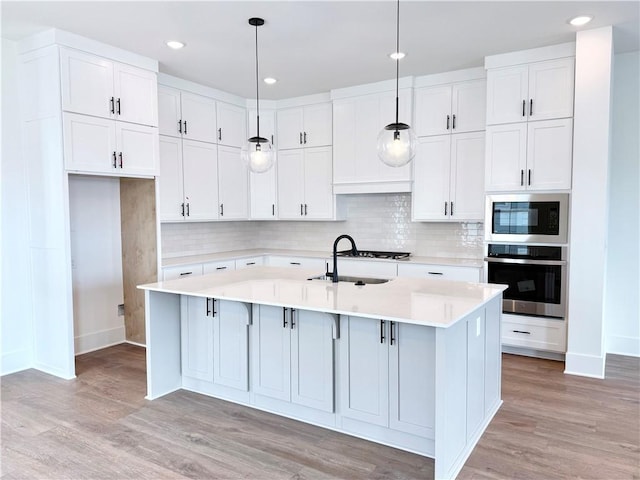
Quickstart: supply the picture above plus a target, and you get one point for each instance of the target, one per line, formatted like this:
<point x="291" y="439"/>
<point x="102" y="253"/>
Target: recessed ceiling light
<point x="397" y="55"/>
<point x="175" y="44"/>
<point x="580" y="20"/>
<point x="270" y="80"/>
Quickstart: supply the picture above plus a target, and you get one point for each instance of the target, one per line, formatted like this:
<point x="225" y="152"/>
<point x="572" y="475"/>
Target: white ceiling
<point x="314" y="46"/>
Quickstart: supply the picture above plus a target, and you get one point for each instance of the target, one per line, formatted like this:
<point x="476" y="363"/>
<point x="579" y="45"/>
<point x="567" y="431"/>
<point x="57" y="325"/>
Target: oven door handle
<point x="524" y="261"/>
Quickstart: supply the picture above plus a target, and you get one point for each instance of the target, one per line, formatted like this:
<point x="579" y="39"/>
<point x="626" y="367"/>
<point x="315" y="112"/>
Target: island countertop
<point x="428" y="302"/>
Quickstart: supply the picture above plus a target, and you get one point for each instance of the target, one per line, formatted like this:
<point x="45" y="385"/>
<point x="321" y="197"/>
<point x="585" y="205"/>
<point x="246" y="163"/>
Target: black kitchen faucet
<point x="354" y="252"/>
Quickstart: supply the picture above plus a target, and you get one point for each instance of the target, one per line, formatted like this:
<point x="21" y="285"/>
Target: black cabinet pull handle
<point x="221" y="268"/>
<point x="381" y="331"/>
<point x="118" y="106"/>
<point x="453" y="123"/>
<point x="531" y="107"/>
<point x="115" y="161"/>
<point x="112" y="104"/>
<point x="448" y="118"/>
<point x="188" y="212"/>
<point x="524" y="102"/>
<point x="250" y="263"/>
<point x="521" y="331"/>
<point x="521" y="178"/>
<point x="179" y="126"/>
<point x="222" y="209"/>
<point x="208" y="309"/>
<point x="529" y="175"/>
<point x="185" y="127"/>
<point x="284" y="317"/>
<point x="452" y="209"/>
<point x="435" y="273"/>
<point x="120" y="157"/>
<point x="295" y="263"/>
<point x="183" y="209"/>
<point x="273" y="209"/>
<point x="305" y="209"/>
<point x="446" y="205"/>
<point x="185" y="273"/>
<point x="301" y="210"/>
<point x="220" y="134"/>
<point x="213" y="307"/>
<point x="305" y="138"/>
<point x="300" y="138"/>
<point x="271" y="140"/>
<point x="293" y="318"/>
<point x="392" y="338"/>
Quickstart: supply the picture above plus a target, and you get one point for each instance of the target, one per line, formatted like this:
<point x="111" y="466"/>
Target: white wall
<point x="622" y="310"/>
<point x="589" y="202"/>
<point x="16" y="327"/>
<point x="96" y="261"/>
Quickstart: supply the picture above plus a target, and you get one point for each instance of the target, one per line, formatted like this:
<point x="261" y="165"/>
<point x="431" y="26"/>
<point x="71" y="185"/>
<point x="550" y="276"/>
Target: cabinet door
<point x="289" y="128"/>
<point x="233" y="184"/>
<point x="475" y="371"/>
<point x="231" y="345"/>
<point x="290" y="184"/>
<point x="440" y="272"/>
<point x="433" y="111"/>
<point x="181" y="271"/>
<point x="169" y="113"/>
<point x="263" y="194"/>
<point x="218" y="267"/>
<point x="549" y="148"/>
<point x="232" y="125"/>
<point x="506" y="92"/>
<point x="87" y="83"/>
<point x="431" y="169"/>
<point x="364" y="370"/>
<point x="467" y="177"/>
<point x="138" y="145"/>
<point x="199" y="118"/>
<point x="469" y="105"/>
<point x="317" y="125"/>
<point x="551" y="89"/>
<point x="89" y="144"/>
<point x="318" y="188"/>
<point x="196" y="337"/>
<point x="411" y="398"/>
<point x="200" y="173"/>
<point x="271" y="353"/>
<point x="312" y="360"/>
<point x="506" y="152"/>
<point x="170" y="185"/>
<point x="136" y="92"/>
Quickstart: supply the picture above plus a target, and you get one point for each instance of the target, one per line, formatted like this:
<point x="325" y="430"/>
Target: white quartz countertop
<point x="238" y="254"/>
<point x="436" y="303"/>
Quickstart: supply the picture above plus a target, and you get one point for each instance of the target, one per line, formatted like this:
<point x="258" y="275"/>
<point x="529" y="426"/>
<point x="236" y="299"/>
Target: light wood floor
<point x="99" y="426"/>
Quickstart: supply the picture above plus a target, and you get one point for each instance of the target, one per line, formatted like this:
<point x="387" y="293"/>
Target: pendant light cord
<point x="257" y="91"/>
<point x="397" y="55"/>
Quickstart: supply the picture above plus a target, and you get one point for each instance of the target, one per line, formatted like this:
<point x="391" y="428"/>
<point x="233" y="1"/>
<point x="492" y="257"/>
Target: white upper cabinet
<point x="233" y="184"/>
<point x="455" y="108"/>
<point x="263" y="186"/>
<point x="302" y="127"/>
<point x="187" y="115"/>
<point x="232" y="125"/>
<point x="267" y="124"/>
<point x="357" y="121"/>
<point x="102" y="146"/>
<point x="536" y="91"/>
<point x="96" y="86"/>
<point x="169" y="111"/>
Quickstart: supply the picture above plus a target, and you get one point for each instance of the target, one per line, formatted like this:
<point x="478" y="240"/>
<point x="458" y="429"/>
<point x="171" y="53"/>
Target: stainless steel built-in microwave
<point x="527" y="218"/>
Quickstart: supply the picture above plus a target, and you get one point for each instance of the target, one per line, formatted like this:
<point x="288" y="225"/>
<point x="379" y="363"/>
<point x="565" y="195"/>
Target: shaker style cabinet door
<point x="317" y="125"/>
<point x="431" y="170"/>
<point x="138" y="149"/>
<point x="196" y="337"/>
<point x="89" y="144"/>
<point x="199" y="118"/>
<point x="507" y="95"/>
<point x="290" y="127"/>
<point x="170" y="180"/>
<point x="231" y="344"/>
<point x="433" y="111"/>
<point x="551" y="85"/>
<point x="467" y="175"/>
<point x="506" y="157"/>
<point x="469" y="105"/>
<point x="233" y="185"/>
<point x="169" y="111"/>
<point x="136" y="92"/>
<point x="231" y="122"/>
<point x="549" y="154"/>
<point x="291" y="184"/>
<point x="200" y="173"/>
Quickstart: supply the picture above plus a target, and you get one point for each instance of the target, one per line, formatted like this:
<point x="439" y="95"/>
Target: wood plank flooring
<point x="99" y="426"/>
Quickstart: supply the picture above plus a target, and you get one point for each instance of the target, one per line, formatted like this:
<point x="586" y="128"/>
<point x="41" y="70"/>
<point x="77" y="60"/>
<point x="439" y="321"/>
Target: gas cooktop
<point x="375" y="254"/>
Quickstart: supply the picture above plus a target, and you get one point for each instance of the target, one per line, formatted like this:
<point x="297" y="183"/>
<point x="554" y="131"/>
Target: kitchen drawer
<point x="318" y="264"/>
<point x="249" y="262"/>
<point x="216" y="267"/>
<point x="365" y="268"/>
<point x="534" y="332"/>
<point x="444" y="272"/>
<point x="181" y="271"/>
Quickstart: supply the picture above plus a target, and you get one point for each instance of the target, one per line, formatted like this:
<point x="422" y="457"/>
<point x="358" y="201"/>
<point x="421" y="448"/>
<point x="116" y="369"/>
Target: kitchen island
<point x="410" y="363"/>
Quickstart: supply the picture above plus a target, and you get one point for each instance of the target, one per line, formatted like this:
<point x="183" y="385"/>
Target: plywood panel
<point x="139" y="250"/>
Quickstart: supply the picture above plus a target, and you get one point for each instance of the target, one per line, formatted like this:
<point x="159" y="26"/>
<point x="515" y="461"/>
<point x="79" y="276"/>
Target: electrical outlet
<point x="478" y="322"/>
<point x="121" y="310"/>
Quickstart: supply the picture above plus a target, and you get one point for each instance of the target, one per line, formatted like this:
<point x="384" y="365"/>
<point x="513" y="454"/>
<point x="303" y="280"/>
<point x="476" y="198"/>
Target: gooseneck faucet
<point x="354" y="252"/>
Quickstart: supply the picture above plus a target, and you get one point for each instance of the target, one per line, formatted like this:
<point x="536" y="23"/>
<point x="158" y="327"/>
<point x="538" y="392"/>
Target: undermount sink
<point x="356" y="280"/>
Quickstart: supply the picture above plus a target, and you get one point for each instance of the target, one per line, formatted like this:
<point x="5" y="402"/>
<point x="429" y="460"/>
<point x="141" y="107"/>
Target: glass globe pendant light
<point x="397" y="141"/>
<point x="257" y="152"/>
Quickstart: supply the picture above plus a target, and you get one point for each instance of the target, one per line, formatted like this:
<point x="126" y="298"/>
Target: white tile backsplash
<point x="375" y="221"/>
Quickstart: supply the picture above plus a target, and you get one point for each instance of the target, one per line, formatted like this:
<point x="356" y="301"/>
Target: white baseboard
<point x="15" y="361"/>
<point x="584" y="365"/>
<point x="619" y="345"/>
<point x="135" y="343"/>
<point x="99" y="340"/>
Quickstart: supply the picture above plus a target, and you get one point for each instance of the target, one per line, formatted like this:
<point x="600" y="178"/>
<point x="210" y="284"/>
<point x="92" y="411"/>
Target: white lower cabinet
<point x="233" y="184"/>
<point x="547" y="334"/>
<point x="443" y="272"/>
<point x="292" y="356"/>
<point x="214" y="341"/>
<point x="217" y="267"/>
<point x="249" y="262"/>
<point x="379" y="381"/>
<point x="319" y="264"/>
<point x="181" y="271"/>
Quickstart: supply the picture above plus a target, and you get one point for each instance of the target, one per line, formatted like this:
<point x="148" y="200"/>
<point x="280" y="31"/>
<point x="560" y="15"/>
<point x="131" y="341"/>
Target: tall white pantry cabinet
<point x="119" y="90"/>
